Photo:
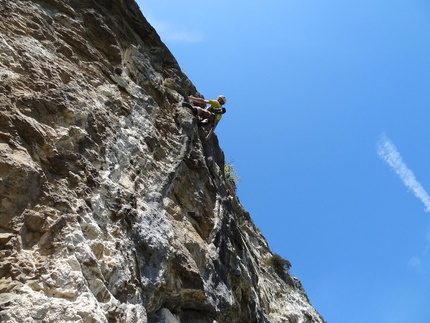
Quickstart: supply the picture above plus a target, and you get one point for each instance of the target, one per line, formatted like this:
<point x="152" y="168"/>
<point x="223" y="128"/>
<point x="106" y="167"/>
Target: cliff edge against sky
<point x="113" y="206"/>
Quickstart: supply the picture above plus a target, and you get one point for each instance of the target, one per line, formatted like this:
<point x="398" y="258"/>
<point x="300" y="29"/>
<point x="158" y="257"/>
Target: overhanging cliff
<point x="113" y="206"/>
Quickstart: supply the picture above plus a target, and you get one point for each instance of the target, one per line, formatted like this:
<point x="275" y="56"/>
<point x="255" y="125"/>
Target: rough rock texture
<point x="113" y="207"/>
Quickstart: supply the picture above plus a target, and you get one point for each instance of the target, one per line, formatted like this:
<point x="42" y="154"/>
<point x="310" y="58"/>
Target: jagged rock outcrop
<point x="113" y="207"/>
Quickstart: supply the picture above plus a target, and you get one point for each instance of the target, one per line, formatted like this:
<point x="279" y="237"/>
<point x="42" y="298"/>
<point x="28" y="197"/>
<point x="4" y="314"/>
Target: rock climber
<point x="210" y="116"/>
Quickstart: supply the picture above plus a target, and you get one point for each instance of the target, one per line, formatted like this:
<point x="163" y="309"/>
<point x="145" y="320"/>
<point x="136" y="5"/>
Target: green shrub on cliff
<point x="231" y="174"/>
<point x="279" y="264"/>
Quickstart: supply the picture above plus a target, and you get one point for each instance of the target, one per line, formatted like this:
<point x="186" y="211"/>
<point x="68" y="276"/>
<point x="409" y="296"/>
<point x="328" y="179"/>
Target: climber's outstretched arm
<point x="198" y="100"/>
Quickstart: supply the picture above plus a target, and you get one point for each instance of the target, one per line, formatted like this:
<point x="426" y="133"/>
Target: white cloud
<point x="388" y="152"/>
<point x="415" y="265"/>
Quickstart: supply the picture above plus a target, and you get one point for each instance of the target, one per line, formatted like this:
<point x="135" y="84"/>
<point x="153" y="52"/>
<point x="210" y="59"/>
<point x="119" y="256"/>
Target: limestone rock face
<point x="113" y="206"/>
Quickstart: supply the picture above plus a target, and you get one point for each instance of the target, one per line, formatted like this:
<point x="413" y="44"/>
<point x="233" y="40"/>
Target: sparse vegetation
<point x="231" y="174"/>
<point x="279" y="264"/>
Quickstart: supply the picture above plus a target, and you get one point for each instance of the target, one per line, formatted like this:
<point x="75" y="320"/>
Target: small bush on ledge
<point x="279" y="264"/>
<point x="231" y="175"/>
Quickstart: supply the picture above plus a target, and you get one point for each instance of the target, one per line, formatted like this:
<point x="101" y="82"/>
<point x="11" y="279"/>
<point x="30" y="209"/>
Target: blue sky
<point x="328" y="126"/>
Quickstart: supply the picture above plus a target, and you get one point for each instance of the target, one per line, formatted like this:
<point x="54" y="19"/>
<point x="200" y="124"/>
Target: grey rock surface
<point x="113" y="206"/>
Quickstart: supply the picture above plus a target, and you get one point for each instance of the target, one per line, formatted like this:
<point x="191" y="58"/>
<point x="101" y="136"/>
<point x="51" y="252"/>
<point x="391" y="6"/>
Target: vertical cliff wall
<point x="113" y="207"/>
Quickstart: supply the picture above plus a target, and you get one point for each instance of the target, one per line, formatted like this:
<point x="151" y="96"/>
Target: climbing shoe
<point x="203" y="123"/>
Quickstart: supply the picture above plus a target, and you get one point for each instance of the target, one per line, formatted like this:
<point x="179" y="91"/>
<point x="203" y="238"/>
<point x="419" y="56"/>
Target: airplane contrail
<point x="388" y="152"/>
